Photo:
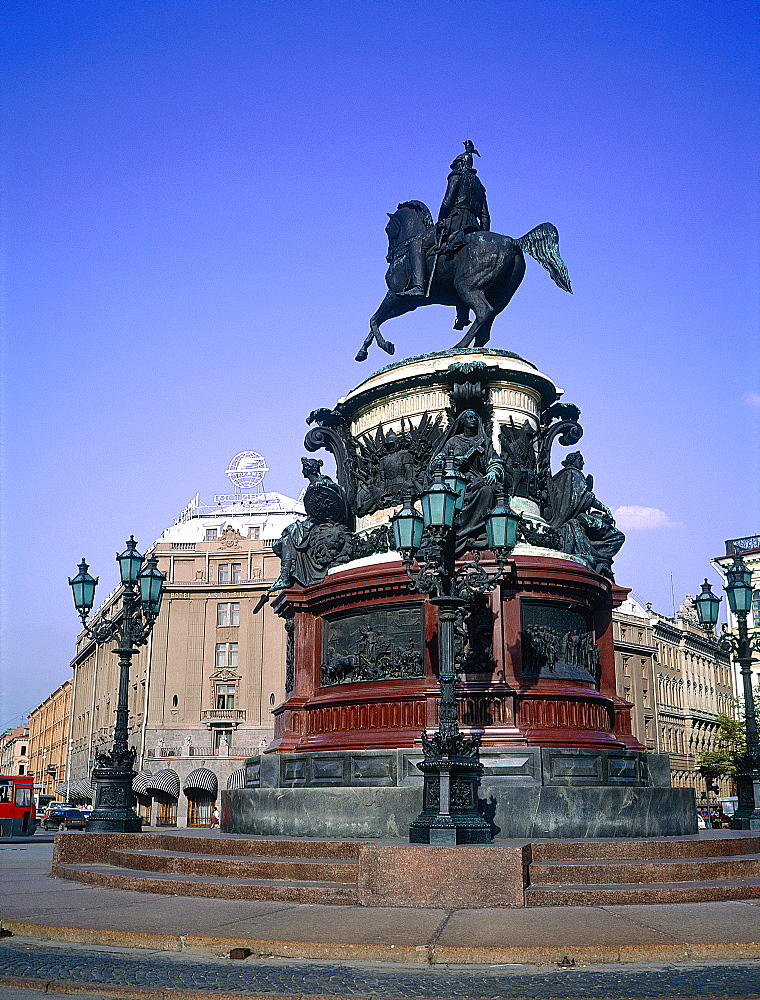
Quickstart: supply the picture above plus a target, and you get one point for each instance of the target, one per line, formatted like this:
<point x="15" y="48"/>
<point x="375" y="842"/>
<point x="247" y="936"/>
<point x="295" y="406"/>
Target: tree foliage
<point x="727" y="744"/>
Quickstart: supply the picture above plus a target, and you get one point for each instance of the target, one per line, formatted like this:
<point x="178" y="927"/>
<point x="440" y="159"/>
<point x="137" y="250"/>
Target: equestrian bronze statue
<point x="458" y="261"/>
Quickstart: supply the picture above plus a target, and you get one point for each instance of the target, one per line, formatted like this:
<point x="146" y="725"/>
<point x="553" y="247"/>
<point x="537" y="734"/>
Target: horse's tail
<point x="542" y="243"/>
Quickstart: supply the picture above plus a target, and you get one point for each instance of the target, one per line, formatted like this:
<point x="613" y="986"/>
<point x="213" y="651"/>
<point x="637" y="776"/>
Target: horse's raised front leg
<point x="392" y="305"/>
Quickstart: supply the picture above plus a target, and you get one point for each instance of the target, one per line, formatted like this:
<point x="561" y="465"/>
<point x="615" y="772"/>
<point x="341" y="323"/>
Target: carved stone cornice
<point x="348" y="588"/>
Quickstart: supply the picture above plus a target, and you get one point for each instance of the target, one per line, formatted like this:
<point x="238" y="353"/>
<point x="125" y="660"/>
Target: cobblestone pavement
<point x="59" y="969"/>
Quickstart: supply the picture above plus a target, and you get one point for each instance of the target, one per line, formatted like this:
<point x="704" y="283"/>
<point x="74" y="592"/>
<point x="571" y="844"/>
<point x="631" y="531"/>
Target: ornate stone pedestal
<point x="535" y="665"/>
<point x="510" y="702"/>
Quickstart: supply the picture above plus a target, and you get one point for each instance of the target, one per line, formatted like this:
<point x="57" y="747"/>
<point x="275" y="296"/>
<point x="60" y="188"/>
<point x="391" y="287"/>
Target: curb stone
<point x="433" y="955"/>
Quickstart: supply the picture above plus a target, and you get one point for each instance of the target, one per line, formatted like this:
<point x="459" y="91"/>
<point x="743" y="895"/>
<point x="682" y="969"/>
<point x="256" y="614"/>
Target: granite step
<point x="230" y="887"/>
<point x="309" y="869"/>
<point x="675" y="848"/>
<point x="646" y="871"/>
<point x="621" y="893"/>
<point x="280" y="847"/>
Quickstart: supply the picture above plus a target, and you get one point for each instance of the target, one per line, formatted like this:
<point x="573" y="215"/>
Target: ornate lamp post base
<point x="450" y="803"/>
<point x="747" y="816"/>
<point x="113" y="812"/>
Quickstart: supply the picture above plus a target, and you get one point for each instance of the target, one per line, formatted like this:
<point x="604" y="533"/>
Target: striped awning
<point x="201" y="780"/>
<point x="237" y="779"/>
<point x="164" y="781"/>
<point x="81" y="791"/>
<point x="140" y="782"/>
<point x="64" y="789"/>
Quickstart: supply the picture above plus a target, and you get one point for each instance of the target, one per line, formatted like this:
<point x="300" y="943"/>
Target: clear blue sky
<point x="194" y="199"/>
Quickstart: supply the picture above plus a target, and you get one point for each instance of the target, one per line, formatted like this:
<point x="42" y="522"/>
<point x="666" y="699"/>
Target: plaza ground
<point x="65" y="935"/>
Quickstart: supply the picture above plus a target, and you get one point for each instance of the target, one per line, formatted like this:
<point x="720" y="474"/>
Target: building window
<point x="230" y="573"/>
<point x="23" y="751"/>
<point x="756" y="608"/>
<point x="226" y="654"/>
<point x="211" y="534"/>
<point x="166" y="811"/>
<point x="21" y="769"/>
<point x="175" y="701"/>
<point x="645" y="697"/>
<point x="228" y="613"/>
<point x="254" y="533"/>
<point x="225" y="696"/>
<point x="626" y="669"/>
<point x="144" y="804"/>
<point x="199" y="809"/>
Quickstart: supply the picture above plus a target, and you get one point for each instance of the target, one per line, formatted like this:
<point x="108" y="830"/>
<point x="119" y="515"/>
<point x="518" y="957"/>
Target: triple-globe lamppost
<point x="739" y="592"/>
<point x="451" y="764"/>
<point x="142" y="591"/>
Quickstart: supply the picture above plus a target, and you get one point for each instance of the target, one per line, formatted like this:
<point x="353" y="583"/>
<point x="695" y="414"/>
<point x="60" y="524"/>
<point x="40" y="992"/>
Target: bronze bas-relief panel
<point x="558" y="641"/>
<point x="373" y="645"/>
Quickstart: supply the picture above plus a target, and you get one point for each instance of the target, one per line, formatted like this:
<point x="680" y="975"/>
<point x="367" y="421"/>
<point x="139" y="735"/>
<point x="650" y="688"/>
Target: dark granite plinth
<point x="524" y="792"/>
<point x="513" y="811"/>
<point x="515" y="764"/>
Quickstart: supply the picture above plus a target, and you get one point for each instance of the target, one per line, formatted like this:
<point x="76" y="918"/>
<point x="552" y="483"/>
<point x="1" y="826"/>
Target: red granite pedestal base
<point x="503" y="696"/>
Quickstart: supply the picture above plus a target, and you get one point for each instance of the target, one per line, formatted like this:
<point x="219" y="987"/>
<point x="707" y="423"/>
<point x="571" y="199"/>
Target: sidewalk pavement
<point x="34" y="905"/>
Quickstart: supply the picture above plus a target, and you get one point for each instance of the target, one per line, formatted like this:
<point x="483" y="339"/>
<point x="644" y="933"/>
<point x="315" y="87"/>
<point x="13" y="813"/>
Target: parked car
<point x="64" y="819"/>
<point x="54" y="807"/>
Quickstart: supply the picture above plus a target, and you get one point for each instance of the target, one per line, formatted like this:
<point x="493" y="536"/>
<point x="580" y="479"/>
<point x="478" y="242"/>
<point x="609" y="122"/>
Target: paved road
<point x="124" y="974"/>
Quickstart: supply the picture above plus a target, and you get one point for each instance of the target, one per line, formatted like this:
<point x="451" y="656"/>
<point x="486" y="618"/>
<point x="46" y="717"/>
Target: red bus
<point x="18" y="817"/>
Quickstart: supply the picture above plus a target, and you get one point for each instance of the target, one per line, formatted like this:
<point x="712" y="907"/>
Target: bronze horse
<point x="482" y="274"/>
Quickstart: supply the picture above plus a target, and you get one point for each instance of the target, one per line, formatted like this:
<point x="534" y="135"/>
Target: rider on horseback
<point x="464" y="209"/>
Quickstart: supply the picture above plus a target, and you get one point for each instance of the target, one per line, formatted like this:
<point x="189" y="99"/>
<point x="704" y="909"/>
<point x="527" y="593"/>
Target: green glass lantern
<point x="129" y="562"/>
<point x="501" y="526"/>
<point x="454" y="479"/>
<point x="151" y="582"/>
<point x="739" y="586"/>
<point x="407" y="528"/>
<point x="438" y="504"/>
<point x="707" y="604"/>
<point x="83" y="586"/>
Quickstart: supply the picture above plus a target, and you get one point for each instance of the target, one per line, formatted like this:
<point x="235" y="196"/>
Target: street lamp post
<point x="141" y="602"/>
<point x="451" y="764"/>
<point x="739" y="592"/>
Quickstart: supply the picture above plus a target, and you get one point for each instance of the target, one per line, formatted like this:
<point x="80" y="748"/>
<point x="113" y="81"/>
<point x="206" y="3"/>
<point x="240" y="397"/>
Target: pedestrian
<point x="215" y="817"/>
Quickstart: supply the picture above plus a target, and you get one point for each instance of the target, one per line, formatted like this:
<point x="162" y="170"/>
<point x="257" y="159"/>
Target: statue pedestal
<point x="536" y="674"/>
<point x="501" y="697"/>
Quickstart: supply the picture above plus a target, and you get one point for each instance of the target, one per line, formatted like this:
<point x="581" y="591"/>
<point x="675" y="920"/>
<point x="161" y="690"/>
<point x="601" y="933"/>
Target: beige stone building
<point x="48" y="738"/>
<point x="203" y="689"/>
<point x="679" y="682"/>
<point x="14" y="751"/>
<point x="749" y="549"/>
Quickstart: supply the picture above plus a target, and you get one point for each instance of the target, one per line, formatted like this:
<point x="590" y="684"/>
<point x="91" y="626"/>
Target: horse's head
<point x="411" y="218"/>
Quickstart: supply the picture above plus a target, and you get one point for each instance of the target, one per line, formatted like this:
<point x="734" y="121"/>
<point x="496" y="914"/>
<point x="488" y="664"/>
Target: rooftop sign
<point x="737" y="545"/>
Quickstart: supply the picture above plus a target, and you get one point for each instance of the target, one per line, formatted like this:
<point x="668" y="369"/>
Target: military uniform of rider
<point x="464" y="209"/>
